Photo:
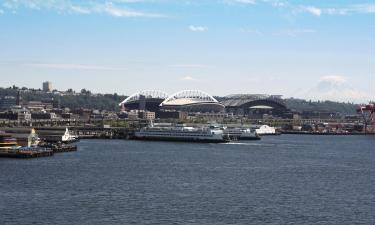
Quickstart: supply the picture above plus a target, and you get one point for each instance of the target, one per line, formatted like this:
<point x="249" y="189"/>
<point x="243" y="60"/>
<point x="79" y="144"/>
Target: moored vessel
<point x="7" y="141"/>
<point x="181" y="133"/>
<point x="241" y="134"/>
<point x="263" y="130"/>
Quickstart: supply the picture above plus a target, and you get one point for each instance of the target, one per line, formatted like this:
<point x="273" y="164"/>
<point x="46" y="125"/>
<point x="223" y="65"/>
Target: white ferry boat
<point x="241" y="134"/>
<point x="182" y="133"/>
<point x="265" y="130"/>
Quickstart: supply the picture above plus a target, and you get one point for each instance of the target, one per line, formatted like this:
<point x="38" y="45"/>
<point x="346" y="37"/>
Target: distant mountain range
<point x="336" y="88"/>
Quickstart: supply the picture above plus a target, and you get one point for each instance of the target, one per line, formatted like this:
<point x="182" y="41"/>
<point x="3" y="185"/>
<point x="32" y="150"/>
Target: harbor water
<point x="288" y="179"/>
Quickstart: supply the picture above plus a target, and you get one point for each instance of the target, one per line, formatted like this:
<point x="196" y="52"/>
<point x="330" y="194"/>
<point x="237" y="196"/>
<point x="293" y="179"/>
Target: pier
<point x="25" y="154"/>
<point x="41" y="151"/>
<point x="60" y="148"/>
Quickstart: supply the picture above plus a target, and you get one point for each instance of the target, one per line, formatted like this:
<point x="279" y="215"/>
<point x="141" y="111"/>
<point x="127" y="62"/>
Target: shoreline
<point x="326" y="134"/>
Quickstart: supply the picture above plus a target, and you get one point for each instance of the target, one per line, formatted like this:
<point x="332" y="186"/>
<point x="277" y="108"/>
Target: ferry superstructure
<point x="241" y="134"/>
<point x="181" y="133"/>
<point x="265" y="130"/>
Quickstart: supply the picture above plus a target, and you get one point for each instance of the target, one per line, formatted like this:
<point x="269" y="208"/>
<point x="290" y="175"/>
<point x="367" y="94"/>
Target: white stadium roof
<point x="188" y="97"/>
<point x="147" y="93"/>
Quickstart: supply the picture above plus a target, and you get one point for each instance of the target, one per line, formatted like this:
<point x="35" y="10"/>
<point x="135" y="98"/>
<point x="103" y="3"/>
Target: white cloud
<point x="360" y="8"/>
<point x="294" y="32"/>
<point x="342" y="10"/>
<point x="334" y="78"/>
<point x="80" y="10"/>
<point x="131" y="1"/>
<point x="73" y="66"/>
<point x="285" y="32"/>
<point x="188" y="78"/>
<point x="312" y="10"/>
<point x="273" y="3"/>
<point x="191" y="66"/>
<point x="111" y="9"/>
<point x="244" y="1"/>
<point x="198" y="28"/>
<point x="119" y="8"/>
<point x="36" y="4"/>
<point x="279" y="4"/>
<point x="251" y="31"/>
<point x="369" y="8"/>
<point x="115" y="8"/>
<point x="336" y="11"/>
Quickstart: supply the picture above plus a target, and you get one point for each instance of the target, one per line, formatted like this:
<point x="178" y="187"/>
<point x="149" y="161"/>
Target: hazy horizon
<point x="310" y="50"/>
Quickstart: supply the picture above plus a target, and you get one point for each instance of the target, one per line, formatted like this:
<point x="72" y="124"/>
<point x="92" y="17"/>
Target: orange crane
<point x="368" y="113"/>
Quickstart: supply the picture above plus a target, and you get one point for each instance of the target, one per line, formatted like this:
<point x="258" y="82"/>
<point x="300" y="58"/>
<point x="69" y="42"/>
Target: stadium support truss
<point x="147" y="94"/>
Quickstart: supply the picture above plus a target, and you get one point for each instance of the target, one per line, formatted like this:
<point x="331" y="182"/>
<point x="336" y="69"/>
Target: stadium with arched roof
<point x="247" y="104"/>
<point x="145" y="100"/>
<point x="192" y="101"/>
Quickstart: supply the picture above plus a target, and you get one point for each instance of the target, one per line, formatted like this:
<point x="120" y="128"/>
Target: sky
<point x="313" y="49"/>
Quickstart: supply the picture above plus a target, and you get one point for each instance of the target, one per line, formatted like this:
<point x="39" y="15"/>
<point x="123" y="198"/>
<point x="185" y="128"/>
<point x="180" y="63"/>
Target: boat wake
<point x="242" y="143"/>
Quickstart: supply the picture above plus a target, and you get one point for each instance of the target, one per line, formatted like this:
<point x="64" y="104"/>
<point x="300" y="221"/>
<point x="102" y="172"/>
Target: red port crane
<point x="368" y="113"/>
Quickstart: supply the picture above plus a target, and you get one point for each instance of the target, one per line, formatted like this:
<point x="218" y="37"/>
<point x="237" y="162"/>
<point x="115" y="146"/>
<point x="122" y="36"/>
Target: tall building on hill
<point x="47" y="86"/>
<point x="18" y="100"/>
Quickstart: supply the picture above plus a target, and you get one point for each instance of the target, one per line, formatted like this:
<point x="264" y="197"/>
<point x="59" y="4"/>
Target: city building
<point x="47" y="86"/>
<point x="172" y="115"/>
<point x="51" y="102"/>
<point x="43" y="116"/>
<point x="69" y="116"/>
<point x="133" y="115"/>
<point x="147" y="115"/>
<point x="84" y="114"/>
<point x="39" y="105"/>
<point x="15" y="115"/>
<point x="7" y="102"/>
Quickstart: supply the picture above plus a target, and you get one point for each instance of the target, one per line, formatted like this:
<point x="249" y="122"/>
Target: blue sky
<point x="309" y="49"/>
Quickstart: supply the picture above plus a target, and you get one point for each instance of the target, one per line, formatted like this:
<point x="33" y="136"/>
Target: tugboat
<point x="181" y="133"/>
